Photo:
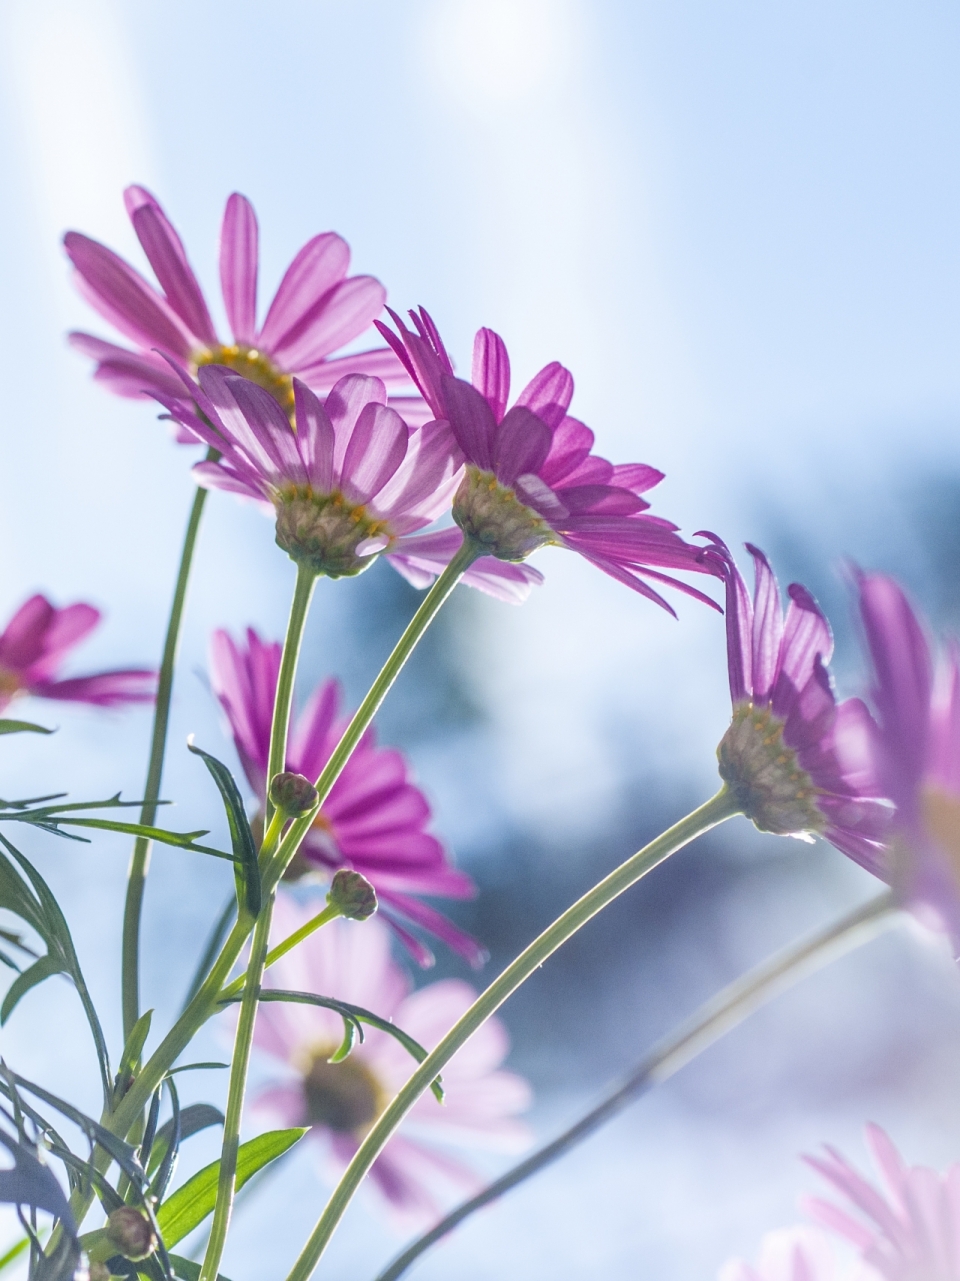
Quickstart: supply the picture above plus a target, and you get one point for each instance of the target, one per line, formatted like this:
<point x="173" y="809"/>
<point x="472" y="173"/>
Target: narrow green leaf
<point x="21" y="727"/>
<point x="43" y="969"/>
<point x="180" y="840"/>
<point x="193" y="1119"/>
<point x="17" y="1249"/>
<point x="190" y="1205"/>
<point x="134" y="1046"/>
<point x="247" y="869"/>
<point x="187" y="1270"/>
<point x="195" y="1067"/>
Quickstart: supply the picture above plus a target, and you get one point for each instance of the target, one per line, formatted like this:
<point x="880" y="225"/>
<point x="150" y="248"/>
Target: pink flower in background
<point x="918" y="706"/>
<point x="531" y="479"/>
<point x="346" y="483"/>
<point x="793" y="1254"/>
<point x="374" y="821"/>
<point x="798" y="761"/>
<point x="907" y="1231"/>
<point x="316" y="310"/>
<point x="35" y="643"/>
<point x="351" y="960"/>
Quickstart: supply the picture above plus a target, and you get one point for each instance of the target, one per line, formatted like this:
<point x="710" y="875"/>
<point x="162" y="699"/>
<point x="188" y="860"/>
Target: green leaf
<point x="249" y="893"/>
<point x="190" y="1205"/>
<point x="16" y="1250"/>
<point x="21" y="727"/>
<point x="187" y="1270"/>
<point x="193" y="1119"/>
<point x="133" y="1049"/>
<point x="180" y="840"/>
<point x="43" y="969"/>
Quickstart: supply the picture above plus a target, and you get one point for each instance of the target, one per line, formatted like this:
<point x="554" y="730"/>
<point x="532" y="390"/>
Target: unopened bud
<point x="353" y="895"/>
<point x="292" y="794"/>
<point x="132" y="1233"/>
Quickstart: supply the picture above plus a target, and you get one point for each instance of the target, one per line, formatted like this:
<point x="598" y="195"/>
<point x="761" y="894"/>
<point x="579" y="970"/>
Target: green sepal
<point x="21" y="727"/>
<point x="187" y="1208"/>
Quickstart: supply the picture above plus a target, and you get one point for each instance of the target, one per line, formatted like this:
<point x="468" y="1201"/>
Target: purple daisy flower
<point x="918" y="706"/>
<point x="531" y="479"/>
<point x="797" y="761"/>
<point x="37" y="640"/>
<point x="316" y="310"/>
<point x="909" y="1231"/>
<point x="349" y="480"/>
<point x="340" y="1101"/>
<point x="374" y="821"/>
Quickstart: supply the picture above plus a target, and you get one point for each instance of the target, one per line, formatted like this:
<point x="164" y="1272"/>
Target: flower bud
<point x="493" y="516"/>
<point x="132" y="1233"/>
<point x="353" y="895"/>
<point x="292" y="794"/>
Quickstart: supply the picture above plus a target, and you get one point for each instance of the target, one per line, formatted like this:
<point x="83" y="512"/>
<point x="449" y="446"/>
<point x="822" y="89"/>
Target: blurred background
<point x="738" y="225"/>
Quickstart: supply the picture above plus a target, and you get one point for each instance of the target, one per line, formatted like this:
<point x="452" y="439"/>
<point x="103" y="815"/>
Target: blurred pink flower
<point x="798" y="761"/>
<point x="316" y="310"/>
<point x="909" y="1230"/>
<point x="351" y="960"/>
<point x="374" y="821"/>
<point x="794" y="1254"/>
<point x="35" y="643"/>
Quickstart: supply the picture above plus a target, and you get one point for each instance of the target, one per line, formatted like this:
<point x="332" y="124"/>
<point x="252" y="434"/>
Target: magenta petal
<point x="124" y="298"/>
<point x="127" y="373"/>
<point x="521" y="444"/>
<point x="239" y="263"/>
<point x="105" y="689"/>
<point x="806" y="636"/>
<point x="637" y="477"/>
<point x="471" y="420"/>
<point x="335" y="319"/>
<point x="22" y="642"/>
<point x="767" y="626"/>
<point x="377" y="447"/>
<point x="572" y="442"/>
<point x="166" y="256"/>
<point x="315" y="437"/>
<point x="491" y="370"/>
<point x="379" y="362"/>
<point x="548" y="394"/>
<point x="320" y="264"/>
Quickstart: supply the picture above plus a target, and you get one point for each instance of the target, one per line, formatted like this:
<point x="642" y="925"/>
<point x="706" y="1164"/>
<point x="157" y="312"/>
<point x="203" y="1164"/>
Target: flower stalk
<point x="723" y="1012"/>
<point x="707" y="816"/>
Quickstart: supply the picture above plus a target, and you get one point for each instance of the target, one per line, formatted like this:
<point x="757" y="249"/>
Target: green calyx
<point x="323" y="531"/>
<point x="495" y="518"/>
<point x="770" y="786"/>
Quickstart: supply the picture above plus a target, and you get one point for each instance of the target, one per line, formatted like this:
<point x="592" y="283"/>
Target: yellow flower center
<point x="763" y="773"/>
<point x="344" y="1097"/>
<point x="324" y="530"/>
<point x="252" y="364"/>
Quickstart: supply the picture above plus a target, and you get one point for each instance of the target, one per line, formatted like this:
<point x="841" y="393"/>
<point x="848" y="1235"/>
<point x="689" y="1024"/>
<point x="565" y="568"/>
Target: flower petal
<point x="491" y="370"/>
<point x="166" y="256"/>
<point x="521" y="444"/>
<point x="320" y="264"/>
<point x="548" y="394"/>
<point x="337" y="318"/>
<point x="239" y="263"/>
<point x="376" y="449"/>
<point x="471" y="420"/>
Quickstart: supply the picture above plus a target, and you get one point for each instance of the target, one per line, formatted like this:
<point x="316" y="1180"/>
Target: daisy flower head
<point x="316" y="310"/>
<point x="916" y="693"/>
<point x="374" y="821"/>
<point x="798" y="761"/>
<point x="351" y="961"/>
<point x="531" y="479"/>
<point x="908" y="1229"/>
<point x="35" y="643"/>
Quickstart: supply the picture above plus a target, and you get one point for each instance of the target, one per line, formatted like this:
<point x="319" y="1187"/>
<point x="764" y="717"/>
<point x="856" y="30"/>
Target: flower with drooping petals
<point x="351" y="961"/>
<point x="796" y="760"/>
<point x="317" y="309"/>
<point x="349" y="480"/>
<point x="910" y="1230"/>
<point x="37" y="640"/>
<point x="793" y="1254"/>
<point x="374" y="820"/>
<point x="531" y="479"/>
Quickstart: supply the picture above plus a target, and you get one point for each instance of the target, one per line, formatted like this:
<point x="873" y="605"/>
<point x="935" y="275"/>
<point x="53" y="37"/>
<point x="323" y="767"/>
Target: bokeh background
<point x="738" y="225"/>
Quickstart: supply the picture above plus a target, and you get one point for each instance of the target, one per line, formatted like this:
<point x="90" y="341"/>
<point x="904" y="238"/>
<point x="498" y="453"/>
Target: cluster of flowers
<point x="908" y="1230"/>
<point x="357" y="456"/>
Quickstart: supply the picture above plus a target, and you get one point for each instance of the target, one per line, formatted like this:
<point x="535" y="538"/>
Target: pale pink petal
<point x="491" y="370"/>
<point x="239" y="262"/>
<point x="334" y="320"/>
<point x="320" y="264"/>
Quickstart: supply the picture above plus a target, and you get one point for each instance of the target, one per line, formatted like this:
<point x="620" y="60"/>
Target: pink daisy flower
<point x="531" y="478"/>
<point x="793" y="1254"/>
<point x="316" y="310"/>
<point x="351" y="961"/>
<point x="349" y="480"/>
<point x="34" y="645"/>
<point x="374" y="821"/>
<point x="918" y="705"/>
<point x="907" y="1231"/>
<point x="798" y="761"/>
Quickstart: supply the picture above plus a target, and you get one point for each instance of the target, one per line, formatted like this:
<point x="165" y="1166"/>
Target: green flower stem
<point x="434" y="599"/>
<point x="720" y="807"/>
<point x="716" y="1017"/>
<point x="243" y="1042"/>
<point x="140" y="860"/>
<point x="329" y="913"/>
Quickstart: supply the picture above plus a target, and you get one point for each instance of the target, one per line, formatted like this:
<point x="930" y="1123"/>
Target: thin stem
<point x="243" y="1042"/>
<point x="329" y="913"/>
<point x="720" y="807"/>
<point x="715" y="1018"/>
<point x="140" y="859"/>
<point x="430" y="606"/>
